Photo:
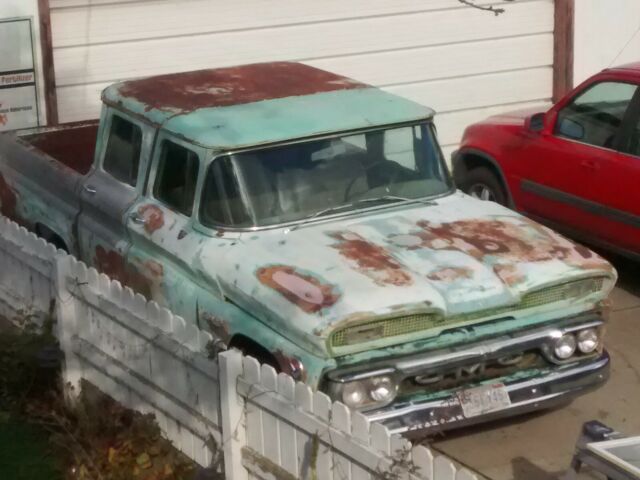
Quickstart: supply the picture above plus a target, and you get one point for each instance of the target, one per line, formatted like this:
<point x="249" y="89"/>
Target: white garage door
<point x="462" y="62"/>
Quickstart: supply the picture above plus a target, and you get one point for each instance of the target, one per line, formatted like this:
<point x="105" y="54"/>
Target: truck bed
<point x="72" y="144"/>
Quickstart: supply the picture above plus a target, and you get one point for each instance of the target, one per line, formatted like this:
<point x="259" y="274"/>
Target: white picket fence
<point x="230" y="411"/>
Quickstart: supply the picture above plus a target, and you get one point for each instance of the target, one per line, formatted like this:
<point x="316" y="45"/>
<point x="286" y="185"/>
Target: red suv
<point x="575" y="167"/>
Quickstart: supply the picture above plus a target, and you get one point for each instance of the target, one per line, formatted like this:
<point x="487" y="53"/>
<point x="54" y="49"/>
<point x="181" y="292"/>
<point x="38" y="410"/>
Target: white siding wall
<point x="463" y="62"/>
<point x="606" y="34"/>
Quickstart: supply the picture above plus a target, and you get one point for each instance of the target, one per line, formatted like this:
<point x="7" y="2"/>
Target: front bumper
<point x="551" y="389"/>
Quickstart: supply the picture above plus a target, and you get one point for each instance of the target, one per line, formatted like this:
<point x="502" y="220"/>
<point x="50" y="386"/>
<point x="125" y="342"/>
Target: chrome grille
<point x="389" y="327"/>
<point x="406" y="324"/>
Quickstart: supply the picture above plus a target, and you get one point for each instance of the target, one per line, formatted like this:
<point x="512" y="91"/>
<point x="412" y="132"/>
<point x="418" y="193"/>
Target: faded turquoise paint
<point x="278" y="120"/>
<point x="288" y="290"/>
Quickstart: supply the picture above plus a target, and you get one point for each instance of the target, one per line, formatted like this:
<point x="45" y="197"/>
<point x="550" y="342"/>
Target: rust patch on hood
<point x="8" y="200"/>
<point x="222" y="87"/>
<point x="372" y="260"/>
<point x="508" y="273"/>
<point x="153" y="217"/>
<point x="450" y="274"/>
<point x="301" y="289"/>
<point x="509" y="242"/>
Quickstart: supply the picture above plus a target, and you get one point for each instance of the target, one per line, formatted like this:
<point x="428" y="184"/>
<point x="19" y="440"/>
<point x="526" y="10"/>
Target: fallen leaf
<point x="111" y="455"/>
<point x="143" y="460"/>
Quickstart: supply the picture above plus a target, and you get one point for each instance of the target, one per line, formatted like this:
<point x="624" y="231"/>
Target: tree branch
<point x="486" y="8"/>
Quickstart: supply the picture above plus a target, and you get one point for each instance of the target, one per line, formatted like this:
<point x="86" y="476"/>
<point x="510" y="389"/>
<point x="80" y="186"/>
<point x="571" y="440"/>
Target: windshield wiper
<point x="394" y="198"/>
<point x="337" y="208"/>
<point x="320" y="213"/>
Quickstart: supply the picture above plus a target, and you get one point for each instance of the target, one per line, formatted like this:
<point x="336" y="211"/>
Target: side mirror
<point x="536" y="122"/>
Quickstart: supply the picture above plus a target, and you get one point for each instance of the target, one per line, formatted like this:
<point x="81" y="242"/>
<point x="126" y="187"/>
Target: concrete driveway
<point x="540" y="446"/>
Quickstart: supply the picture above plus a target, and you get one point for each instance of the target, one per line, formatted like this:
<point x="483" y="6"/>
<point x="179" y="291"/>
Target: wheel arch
<point x="467" y="159"/>
<point x="51" y="236"/>
<point x="252" y="348"/>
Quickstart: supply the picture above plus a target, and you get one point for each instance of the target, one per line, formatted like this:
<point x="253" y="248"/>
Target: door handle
<point x="137" y="218"/>
<point x="90" y="189"/>
<point x="590" y="164"/>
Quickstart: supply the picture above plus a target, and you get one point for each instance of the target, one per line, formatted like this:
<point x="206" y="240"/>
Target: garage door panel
<point x="108" y="20"/>
<point x="80" y="102"/>
<point x="443" y="61"/>
<point x="480" y="91"/>
<point x="75" y="65"/>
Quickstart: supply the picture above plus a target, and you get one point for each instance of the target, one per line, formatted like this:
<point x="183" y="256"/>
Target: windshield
<point x="299" y="181"/>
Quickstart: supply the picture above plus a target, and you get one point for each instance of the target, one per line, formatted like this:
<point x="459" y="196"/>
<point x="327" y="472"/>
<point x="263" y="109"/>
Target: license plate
<point x="485" y="399"/>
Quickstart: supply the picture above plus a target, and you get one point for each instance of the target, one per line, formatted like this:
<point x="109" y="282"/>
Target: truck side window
<point x="177" y="176"/>
<point x="221" y="202"/>
<point x="122" y="156"/>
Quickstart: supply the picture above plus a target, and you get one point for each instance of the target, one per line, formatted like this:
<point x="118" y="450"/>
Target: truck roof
<point x="247" y="105"/>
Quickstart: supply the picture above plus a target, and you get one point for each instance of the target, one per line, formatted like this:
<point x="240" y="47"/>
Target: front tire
<point x="483" y="184"/>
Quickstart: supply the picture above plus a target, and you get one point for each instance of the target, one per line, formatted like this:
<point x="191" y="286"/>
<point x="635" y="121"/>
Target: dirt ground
<point x="540" y="446"/>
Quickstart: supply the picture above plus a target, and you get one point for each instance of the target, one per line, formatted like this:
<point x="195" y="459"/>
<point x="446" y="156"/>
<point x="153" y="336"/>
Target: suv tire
<point x="483" y="184"/>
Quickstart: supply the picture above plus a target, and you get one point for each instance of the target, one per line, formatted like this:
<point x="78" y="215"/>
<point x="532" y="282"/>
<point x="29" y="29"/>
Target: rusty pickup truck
<point x="309" y="219"/>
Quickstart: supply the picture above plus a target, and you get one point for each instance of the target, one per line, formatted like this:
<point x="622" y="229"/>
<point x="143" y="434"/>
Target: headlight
<point x="368" y="392"/>
<point x="354" y="394"/>
<point x="565" y="346"/>
<point x="383" y="389"/>
<point x="588" y="340"/>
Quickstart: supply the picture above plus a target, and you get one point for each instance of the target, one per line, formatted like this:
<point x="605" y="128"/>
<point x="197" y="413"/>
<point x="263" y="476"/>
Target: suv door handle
<point x="590" y="164"/>
<point x="90" y="189"/>
<point x="137" y="218"/>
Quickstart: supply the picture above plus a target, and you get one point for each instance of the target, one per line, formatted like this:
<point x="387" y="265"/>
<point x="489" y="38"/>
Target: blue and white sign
<point x="18" y="90"/>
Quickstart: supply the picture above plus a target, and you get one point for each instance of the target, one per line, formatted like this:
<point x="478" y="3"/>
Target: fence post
<point x="66" y="319"/>
<point x="232" y="413"/>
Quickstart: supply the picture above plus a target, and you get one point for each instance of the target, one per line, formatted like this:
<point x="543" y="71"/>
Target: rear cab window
<point x="122" y="155"/>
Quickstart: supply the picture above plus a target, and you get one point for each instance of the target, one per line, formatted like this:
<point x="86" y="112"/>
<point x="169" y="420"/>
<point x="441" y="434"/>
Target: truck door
<point x="115" y="182"/>
<point x="164" y="245"/>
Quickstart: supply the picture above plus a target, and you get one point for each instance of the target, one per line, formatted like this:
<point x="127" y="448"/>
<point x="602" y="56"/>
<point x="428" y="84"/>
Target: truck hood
<point x="455" y="257"/>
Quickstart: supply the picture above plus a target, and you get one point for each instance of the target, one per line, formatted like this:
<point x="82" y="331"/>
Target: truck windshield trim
<point x="284" y="184"/>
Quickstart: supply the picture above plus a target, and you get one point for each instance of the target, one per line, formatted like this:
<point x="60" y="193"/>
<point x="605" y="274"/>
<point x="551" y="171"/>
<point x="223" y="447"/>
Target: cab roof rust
<point x="236" y="107"/>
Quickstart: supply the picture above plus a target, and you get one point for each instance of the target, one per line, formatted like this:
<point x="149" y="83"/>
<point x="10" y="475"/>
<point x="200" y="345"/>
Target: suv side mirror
<point x="536" y="122"/>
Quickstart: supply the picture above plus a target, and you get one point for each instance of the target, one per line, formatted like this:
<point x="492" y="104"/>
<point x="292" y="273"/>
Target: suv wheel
<point x="483" y="184"/>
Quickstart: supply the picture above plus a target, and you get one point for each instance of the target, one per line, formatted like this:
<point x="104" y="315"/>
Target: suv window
<point x="177" y="176"/>
<point x="595" y="116"/>
<point x="122" y="156"/>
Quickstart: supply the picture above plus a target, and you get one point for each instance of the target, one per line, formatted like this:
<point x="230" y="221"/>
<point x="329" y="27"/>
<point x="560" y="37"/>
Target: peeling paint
<point x="370" y="259"/>
<point x="508" y="242"/>
<point x="153" y="217"/>
<point x="221" y="87"/>
<point x="450" y="274"/>
<point x="141" y="279"/>
<point x="110" y="263"/>
<point x="302" y="289"/>
<point x="217" y="326"/>
<point x="8" y="199"/>
<point x="509" y="273"/>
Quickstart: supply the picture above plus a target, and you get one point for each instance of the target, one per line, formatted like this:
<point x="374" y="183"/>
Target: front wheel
<point x="482" y="183"/>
